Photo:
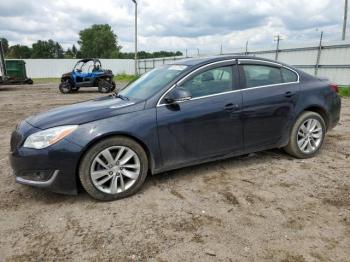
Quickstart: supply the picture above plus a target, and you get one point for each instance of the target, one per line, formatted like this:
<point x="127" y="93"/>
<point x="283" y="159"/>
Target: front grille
<point x="16" y="139"/>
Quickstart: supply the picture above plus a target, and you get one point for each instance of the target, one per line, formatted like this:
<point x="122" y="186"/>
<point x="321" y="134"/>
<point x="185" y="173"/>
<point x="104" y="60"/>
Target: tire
<point x="113" y="145"/>
<point x="66" y="87"/>
<point x="299" y="133"/>
<point x="104" y="86"/>
<point x="113" y="86"/>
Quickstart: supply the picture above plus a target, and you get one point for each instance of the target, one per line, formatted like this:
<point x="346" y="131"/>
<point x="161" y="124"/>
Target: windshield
<point x="152" y="82"/>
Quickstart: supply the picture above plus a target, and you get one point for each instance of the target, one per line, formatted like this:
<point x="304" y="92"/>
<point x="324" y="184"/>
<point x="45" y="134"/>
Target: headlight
<point x="48" y="137"/>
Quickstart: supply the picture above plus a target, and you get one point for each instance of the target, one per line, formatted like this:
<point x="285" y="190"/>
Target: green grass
<point x="120" y="77"/>
<point x="46" y="80"/>
<point x="125" y="77"/>
<point x="344" y="91"/>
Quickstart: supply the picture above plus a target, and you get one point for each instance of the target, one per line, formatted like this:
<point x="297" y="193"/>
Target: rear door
<point x="270" y="92"/>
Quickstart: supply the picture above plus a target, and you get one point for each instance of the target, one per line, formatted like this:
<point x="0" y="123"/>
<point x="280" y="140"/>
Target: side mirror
<point x="178" y="94"/>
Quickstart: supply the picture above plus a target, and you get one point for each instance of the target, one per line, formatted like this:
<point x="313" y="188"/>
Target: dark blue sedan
<point x="194" y="111"/>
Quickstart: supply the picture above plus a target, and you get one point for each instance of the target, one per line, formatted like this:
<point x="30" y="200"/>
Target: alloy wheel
<point x="310" y="135"/>
<point x="115" y="169"/>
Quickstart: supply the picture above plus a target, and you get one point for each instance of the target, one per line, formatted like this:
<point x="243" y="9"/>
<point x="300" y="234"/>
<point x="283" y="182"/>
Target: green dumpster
<point x="15" y="73"/>
<point x="16" y="70"/>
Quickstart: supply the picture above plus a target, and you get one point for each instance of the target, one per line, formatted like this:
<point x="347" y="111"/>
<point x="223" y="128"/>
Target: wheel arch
<point x="312" y="108"/>
<point x="150" y="159"/>
<point x="319" y="110"/>
<point x="97" y="78"/>
<point x="67" y="76"/>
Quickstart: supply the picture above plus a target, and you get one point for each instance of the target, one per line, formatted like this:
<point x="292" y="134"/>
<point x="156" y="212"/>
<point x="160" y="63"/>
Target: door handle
<point x="289" y="94"/>
<point x="231" y="107"/>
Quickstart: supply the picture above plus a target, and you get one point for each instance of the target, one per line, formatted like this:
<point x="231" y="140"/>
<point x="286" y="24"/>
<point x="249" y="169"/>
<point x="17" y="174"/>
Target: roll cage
<point x="81" y="64"/>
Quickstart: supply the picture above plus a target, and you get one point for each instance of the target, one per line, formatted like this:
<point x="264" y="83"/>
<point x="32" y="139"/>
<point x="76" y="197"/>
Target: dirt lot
<point x="264" y="207"/>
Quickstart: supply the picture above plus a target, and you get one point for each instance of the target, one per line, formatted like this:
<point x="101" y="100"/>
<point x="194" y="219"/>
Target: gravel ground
<point x="264" y="207"/>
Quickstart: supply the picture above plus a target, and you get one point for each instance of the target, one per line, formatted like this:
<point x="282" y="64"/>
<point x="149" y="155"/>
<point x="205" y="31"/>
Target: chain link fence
<point x="330" y="60"/>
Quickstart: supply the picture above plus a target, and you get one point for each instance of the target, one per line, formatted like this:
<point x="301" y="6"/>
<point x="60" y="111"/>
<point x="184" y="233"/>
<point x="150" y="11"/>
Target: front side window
<point x="213" y="81"/>
<point x="261" y="75"/>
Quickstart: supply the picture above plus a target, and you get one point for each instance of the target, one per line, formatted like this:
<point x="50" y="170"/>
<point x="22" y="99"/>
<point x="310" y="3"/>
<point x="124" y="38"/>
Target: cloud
<point x="176" y="24"/>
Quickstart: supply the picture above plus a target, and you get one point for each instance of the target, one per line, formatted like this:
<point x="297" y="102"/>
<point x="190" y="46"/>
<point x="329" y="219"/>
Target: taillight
<point x="335" y="88"/>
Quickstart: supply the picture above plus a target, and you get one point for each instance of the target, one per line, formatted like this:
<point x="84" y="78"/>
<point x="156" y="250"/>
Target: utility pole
<point x="278" y="38"/>
<point x="2" y="61"/>
<point x="198" y="51"/>
<point x="319" y="54"/>
<point x="136" y="62"/>
<point x="345" y="19"/>
<point x="186" y="53"/>
<point x="246" y="48"/>
<point x="221" y="49"/>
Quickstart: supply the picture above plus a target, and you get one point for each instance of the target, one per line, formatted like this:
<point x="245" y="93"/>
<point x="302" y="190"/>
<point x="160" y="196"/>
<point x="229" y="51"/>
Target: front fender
<point x="139" y="125"/>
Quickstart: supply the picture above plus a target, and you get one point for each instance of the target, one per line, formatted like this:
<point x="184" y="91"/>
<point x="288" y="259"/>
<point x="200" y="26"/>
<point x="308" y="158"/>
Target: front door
<point x="206" y="126"/>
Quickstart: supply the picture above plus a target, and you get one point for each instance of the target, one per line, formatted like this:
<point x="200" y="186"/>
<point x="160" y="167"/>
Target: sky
<point x="175" y="24"/>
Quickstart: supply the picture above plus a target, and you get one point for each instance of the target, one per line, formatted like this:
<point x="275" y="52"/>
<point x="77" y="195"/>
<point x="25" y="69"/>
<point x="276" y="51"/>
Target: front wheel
<point x="113" y="168"/>
<point x="65" y="86"/>
<point x="307" y="135"/>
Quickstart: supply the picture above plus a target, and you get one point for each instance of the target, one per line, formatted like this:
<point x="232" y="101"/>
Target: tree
<point x="5" y="45"/>
<point x="144" y="54"/>
<point x="74" y="51"/>
<point x="59" y="51"/>
<point x="47" y="49"/>
<point x="99" y="41"/>
<point x="71" y="52"/>
<point x="19" y="51"/>
<point x="68" y="54"/>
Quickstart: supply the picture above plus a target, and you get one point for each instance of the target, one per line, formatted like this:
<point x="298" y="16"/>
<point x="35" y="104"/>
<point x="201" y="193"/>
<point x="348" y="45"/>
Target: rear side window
<point x="288" y="75"/>
<point x="261" y="75"/>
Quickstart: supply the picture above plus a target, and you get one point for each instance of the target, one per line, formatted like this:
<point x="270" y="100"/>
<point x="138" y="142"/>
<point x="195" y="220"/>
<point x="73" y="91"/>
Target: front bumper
<point x="53" y="168"/>
<point x="44" y="183"/>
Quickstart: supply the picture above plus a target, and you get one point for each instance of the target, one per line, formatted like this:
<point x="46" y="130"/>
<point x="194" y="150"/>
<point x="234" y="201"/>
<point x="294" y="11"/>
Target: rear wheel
<point x="113" y="86"/>
<point x="113" y="168"/>
<point x="104" y="86"/>
<point x="307" y="135"/>
<point x="66" y="86"/>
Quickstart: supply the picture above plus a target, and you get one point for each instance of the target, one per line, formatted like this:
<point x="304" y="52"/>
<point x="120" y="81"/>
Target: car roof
<point x="211" y="59"/>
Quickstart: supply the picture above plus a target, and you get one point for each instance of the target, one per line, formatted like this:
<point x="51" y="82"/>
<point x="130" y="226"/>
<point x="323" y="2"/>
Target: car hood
<point x="84" y="112"/>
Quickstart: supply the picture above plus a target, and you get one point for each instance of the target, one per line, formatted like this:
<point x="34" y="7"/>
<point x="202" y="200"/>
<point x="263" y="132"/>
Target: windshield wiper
<point x="121" y="96"/>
